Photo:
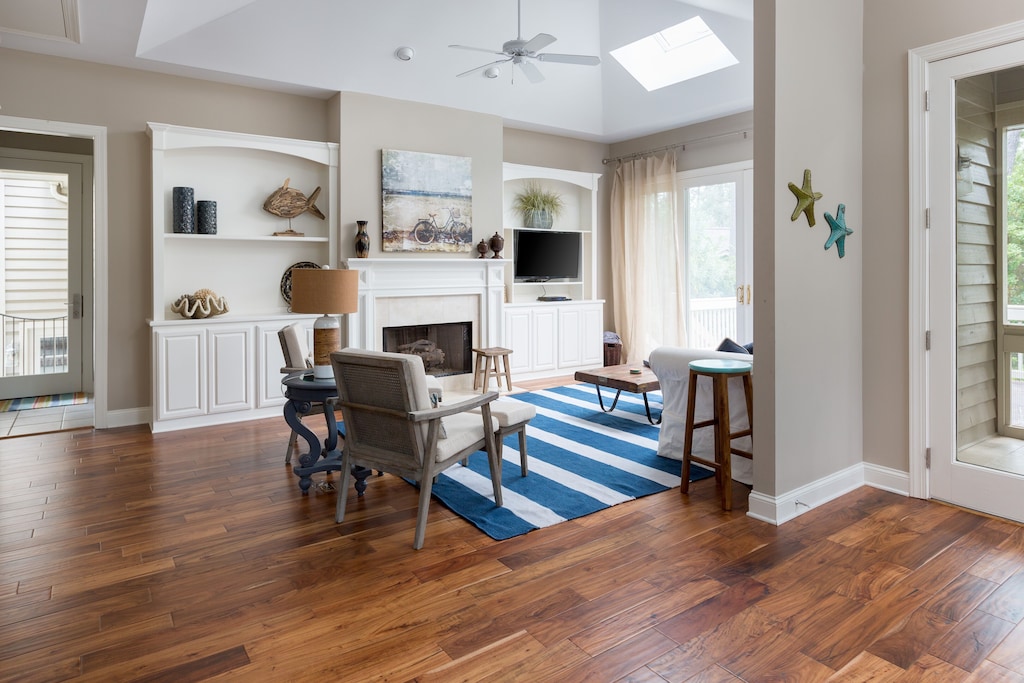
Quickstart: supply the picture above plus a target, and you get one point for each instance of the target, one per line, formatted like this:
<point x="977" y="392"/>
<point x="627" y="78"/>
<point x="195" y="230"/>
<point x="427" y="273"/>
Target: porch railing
<point x="711" y="321"/>
<point x="34" y="346"/>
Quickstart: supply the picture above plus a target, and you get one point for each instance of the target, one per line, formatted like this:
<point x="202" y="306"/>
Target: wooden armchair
<point x="390" y="425"/>
<point x="296" y="359"/>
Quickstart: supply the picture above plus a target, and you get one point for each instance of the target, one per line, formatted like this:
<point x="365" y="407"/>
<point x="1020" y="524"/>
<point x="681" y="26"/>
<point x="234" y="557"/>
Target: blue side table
<point x="301" y="390"/>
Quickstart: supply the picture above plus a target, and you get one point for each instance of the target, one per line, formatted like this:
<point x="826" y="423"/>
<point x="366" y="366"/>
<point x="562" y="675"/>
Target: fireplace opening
<point x="446" y="348"/>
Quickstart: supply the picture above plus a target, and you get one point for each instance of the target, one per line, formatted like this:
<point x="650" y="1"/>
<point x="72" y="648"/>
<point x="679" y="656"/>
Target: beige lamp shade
<point x="330" y="292"/>
<point x="325" y="291"/>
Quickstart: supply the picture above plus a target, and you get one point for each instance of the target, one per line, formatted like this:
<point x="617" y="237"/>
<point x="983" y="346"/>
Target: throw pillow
<point x="750" y="348"/>
<point x="731" y="346"/>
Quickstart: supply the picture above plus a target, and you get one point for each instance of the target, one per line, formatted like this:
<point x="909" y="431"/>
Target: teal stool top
<point x="721" y="366"/>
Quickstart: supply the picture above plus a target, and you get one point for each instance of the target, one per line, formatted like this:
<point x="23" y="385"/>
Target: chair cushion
<point x="464" y="429"/>
<point x="512" y="412"/>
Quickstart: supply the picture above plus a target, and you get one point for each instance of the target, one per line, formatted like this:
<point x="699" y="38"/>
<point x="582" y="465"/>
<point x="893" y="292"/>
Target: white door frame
<point x="100" y="288"/>
<point x="918" y="323"/>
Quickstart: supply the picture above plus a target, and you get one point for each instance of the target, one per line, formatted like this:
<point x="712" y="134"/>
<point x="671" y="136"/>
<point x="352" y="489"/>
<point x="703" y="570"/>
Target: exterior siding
<point x="977" y="264"/>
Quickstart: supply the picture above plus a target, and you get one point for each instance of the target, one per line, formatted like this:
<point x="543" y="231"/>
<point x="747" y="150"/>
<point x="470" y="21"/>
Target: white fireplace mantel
<point x="420" y="288"/>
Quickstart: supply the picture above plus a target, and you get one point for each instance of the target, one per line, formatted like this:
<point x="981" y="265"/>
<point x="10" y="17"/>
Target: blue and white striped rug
<point x="581" y="460"/>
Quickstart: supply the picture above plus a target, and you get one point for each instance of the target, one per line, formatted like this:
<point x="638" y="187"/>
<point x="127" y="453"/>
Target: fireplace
<point x="421" y="292"/>
<point x="446" y="348"/>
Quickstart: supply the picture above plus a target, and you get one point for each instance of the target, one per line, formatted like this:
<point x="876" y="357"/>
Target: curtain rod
<point x="679" y="145"/>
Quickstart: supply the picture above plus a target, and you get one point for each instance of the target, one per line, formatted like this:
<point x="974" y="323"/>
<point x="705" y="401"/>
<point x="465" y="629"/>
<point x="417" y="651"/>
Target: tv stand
<point x="553" y="298"/>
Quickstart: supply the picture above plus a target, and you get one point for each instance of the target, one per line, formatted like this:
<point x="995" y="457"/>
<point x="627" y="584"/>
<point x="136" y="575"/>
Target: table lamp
<point x="330" y="292"/>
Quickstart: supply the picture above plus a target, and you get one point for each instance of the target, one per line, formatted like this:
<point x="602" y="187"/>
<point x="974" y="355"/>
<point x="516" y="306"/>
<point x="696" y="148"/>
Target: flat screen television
<point x="543" y="255"/>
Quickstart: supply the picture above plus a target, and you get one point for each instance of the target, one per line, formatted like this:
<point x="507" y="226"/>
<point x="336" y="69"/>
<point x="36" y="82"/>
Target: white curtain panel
<point x="647" y="256"/>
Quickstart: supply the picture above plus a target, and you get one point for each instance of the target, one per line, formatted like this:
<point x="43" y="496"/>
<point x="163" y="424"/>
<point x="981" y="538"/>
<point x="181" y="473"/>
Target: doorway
<point x="87" y="141"/>
<point x="716" y="211"/>
<point x="43" y="262"/>
<point x="970" y="362"/>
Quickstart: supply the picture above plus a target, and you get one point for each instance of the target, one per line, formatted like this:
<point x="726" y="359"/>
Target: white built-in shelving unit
<point x="227" y="368"/>
<point x="554" y="337"/>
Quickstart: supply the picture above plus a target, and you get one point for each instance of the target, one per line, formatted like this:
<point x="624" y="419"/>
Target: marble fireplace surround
<point x="422" y="290"/>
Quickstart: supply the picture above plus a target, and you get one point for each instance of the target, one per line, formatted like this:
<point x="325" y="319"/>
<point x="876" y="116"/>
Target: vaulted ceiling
<point x="319" y="47"/>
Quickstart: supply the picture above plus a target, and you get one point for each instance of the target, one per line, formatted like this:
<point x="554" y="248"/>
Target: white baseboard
<point x="887" y="479"/>
<point x="780" y="509"/>
<point x="126" y="418"/>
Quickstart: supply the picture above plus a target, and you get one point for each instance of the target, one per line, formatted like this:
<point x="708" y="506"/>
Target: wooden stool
<point x="487" y="362"/>
<point x="719" y="371"/>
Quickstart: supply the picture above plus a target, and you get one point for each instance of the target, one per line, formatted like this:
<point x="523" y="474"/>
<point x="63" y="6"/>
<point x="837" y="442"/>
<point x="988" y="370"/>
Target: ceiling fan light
<point x="492" y="72"/>
<point x="405" y="53"/>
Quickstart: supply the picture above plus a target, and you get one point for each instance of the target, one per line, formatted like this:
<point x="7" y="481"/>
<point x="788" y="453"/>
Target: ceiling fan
<point x="523" y="53"/>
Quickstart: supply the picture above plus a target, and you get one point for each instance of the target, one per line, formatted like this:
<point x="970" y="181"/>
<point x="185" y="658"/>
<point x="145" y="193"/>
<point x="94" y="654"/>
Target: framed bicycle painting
<point x="427" y="202"/>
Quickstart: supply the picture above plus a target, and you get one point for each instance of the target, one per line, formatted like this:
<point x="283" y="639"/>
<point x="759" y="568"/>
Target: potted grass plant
<point x="537" y="206"/>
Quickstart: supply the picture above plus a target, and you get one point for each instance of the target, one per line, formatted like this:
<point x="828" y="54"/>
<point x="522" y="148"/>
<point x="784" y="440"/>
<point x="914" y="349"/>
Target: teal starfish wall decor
<point x="805" y="198"/>
<point x="839" y="230"/>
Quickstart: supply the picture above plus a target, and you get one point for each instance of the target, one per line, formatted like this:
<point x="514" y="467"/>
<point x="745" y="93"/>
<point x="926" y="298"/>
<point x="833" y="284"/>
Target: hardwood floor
<point x="192" y="555"/>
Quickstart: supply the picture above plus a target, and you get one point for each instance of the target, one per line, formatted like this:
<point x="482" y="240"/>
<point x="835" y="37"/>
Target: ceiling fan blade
<point x="539" y="42"/>
<point x="533" y="74"/>
<point x="482" y="66"/>
<point x="587" y="60"/>
<point x="477" y="49"/>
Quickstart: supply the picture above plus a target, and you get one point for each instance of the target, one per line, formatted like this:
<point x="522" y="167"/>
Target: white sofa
<point x="671" y="365"/>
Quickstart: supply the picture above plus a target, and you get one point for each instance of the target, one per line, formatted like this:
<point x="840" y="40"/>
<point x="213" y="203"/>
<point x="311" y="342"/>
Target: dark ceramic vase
<point x="497" y="244"/>
<point x="183" y="209"/>
<point x="481" y="248"/>
<point x="206" y="217"/>
<point x="362" y="240"/>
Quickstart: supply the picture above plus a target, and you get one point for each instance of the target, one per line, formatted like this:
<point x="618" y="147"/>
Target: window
<point x="675" y="54"/>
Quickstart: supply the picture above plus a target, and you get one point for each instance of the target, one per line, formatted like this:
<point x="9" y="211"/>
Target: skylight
<point x="675" y="54"/>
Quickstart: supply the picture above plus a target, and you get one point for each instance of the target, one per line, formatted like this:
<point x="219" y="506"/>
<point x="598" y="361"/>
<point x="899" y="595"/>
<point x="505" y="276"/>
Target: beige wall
<point x="891" y="29"/>
<point x="812" y="375"/>
<point x="368" y="124"/>
<point x="722" y="148"/>
<point x="123" y="100"/>
<point x="764" y="245"/>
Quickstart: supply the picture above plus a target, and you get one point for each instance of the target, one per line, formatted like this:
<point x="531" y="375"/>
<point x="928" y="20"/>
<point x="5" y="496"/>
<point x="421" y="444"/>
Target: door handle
<point x="739" y="294"/>
<point x="76" y="306"/>
<point x="749" y="300"/>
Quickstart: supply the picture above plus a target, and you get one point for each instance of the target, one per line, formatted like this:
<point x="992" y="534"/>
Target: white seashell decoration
<point x="203" y="304"/>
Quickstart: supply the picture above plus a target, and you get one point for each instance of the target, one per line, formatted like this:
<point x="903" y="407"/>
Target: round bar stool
<point x="719" y="371"/>
<point x="487" y="362"/>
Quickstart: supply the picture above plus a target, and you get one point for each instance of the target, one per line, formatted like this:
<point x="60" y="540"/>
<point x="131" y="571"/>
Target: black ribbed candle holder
<point x="184" y="209"/>
<point x="206" y="216"/>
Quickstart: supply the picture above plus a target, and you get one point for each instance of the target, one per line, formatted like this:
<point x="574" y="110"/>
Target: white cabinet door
<point x="230" y="359"/>
<point x="270" y="360"/>
<point x="544" y="336"/>
<point x="580" y="336"/>
<point x="592" y="333"/>
<point x="569" y="337"/>
<point x="181" y="373"/>
<point x="518" y="336"/>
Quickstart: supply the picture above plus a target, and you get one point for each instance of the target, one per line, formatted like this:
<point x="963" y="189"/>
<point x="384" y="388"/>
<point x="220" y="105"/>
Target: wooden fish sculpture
<point x="287" y="202"/>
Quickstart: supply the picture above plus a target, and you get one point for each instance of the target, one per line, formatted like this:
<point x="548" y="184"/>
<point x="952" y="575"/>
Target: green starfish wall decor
<point x="805" y="198"/>
<point x="839" y="230"/>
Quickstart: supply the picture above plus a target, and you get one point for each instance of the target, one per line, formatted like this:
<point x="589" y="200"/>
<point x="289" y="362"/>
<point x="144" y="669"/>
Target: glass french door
<point x="976" y="339"/>
<point x="716" y="212"/>
<point x="41" y="266"/>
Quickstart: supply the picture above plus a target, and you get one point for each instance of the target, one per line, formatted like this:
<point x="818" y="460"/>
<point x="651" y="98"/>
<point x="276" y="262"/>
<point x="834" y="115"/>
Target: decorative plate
<point x="286" y="279"/>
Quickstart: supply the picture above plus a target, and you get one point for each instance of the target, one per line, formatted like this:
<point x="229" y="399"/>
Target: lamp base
<point x="326" y="338"/>
<point x="323" y="372"/>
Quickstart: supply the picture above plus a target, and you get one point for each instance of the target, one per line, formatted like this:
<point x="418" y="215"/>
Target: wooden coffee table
<point x="622" y="378"/>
